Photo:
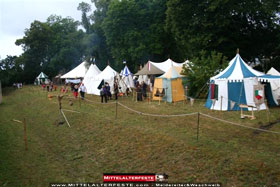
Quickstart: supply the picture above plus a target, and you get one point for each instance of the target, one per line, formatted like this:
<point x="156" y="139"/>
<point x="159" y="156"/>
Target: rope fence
<point x="168" y="115"/>
<point x="237" y="124"/>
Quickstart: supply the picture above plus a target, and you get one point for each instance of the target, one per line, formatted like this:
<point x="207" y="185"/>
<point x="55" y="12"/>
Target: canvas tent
<point x="275" y="85"/>
<point x="237" y="84"/>
<point x="166" y="65"/>
<point x="150" y="69"/>
<point x="169" y="87"/>
<point x="126" y="80"/>
<point x="89" y="78"/>
<point x="77" y="72"/>
<point x="155" y="68"/>
<point x="107" y="75"/>
<point x="41" y="78"/>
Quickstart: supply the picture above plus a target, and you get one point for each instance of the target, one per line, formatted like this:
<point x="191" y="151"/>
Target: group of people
<point x="141" y="90"/>
<point x="105" y="93"/>
<point x="75" y="88"/>
<point x="17" y="85"/>
<point x="49" y="86"/>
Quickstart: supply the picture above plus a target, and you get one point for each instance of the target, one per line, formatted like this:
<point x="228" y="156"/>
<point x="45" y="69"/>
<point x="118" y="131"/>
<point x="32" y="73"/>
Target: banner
<point x="214" y="91"/>
<point x="259" y="95"/>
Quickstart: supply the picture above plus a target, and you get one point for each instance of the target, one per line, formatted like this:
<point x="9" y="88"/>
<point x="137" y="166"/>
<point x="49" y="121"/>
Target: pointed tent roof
<point x="42" y="76"/>
<point x="273" y="71"/>
<point x="165" y="66"/>
<point x="172" y="73"/>
<point x="93" y="71"/>
<point x="125" y="72"/>
<point x="149" y="69"/>
<point x="77" y="72"/>
<point x="237" y="70"/>
<point x="107" y="73"/>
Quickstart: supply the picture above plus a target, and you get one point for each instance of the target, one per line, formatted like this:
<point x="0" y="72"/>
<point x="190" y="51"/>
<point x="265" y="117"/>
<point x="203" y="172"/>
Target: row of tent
<point x="92" y="78"/>
<point x="236" y="84"/>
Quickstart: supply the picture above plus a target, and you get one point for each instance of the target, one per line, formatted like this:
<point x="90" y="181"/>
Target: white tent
<point x="107" y="75"/>
<point x="126" y="80"/>
<point x="166" y="65"/>
<point x="92" y="72"/>
<point x="275" y="85"/>
<point x="77" y="72"/>
<point x="41" y="78"/>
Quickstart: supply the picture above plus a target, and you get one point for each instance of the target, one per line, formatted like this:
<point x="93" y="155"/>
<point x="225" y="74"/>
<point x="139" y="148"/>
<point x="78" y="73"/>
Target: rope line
<point x="99" y="102"/>
<point x="237" y="124"/>
<point x="156" y="115"/>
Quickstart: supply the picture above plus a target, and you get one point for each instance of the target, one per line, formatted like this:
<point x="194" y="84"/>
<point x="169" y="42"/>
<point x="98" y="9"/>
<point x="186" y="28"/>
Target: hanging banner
<point x="259" y="94"/>
<point x="214" y="91"/>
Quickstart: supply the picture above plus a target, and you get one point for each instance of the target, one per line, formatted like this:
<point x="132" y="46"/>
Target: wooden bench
<point x="244" y="115"/>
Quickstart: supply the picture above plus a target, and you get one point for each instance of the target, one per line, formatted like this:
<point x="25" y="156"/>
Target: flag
<point x="149" y="66"/>
<point x="259" y="94"/>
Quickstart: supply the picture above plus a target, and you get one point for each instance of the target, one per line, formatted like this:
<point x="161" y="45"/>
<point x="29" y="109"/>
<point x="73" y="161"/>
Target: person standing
<point x="103" y="94"/>
<point x="108" y="91"/>
<point x="82" y="91"/>
<point x="76" y="89"/>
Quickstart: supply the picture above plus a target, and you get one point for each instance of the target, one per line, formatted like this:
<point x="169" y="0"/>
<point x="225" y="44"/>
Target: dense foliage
<point x="112" y="31"/>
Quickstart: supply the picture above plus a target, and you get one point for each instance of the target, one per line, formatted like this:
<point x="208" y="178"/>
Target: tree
<point x="51" y="47"/>
<point x="200" y="69"/>
<point x="224" y="26"/>
<point x="85" y="8"/>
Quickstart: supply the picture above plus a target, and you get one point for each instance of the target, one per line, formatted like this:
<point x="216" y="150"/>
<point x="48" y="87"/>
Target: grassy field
<point x="98" y="142"/>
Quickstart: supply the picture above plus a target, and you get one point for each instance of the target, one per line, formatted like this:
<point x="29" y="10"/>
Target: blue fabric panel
<point x="208" y="103"/>
<point x="246" y="72"/>
<point x="269" y="96"/>
<point x="229" y="71"/>
<point x="236" y="93"/>
<point x="270" y="76"/>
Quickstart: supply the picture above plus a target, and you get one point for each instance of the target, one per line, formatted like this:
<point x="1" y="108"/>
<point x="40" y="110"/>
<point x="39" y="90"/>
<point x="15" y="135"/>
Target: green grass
<point x="97" y="142"/>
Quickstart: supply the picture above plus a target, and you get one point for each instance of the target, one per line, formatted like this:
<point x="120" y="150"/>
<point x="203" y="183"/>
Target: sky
<point x="17" y="15"/>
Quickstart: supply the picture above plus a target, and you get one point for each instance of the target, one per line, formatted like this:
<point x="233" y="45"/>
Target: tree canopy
<point x="205" y="32"/>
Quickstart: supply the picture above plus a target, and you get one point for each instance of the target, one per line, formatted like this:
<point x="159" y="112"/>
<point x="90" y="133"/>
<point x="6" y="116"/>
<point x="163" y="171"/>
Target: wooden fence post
<point x="197" y="131"/>
<point x="25" y="135"/>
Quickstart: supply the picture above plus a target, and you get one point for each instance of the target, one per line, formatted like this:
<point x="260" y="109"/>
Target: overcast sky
<point x="17" y="15"/>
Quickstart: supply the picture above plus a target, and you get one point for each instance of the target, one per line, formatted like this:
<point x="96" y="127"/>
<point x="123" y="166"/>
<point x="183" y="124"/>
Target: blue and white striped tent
<point x="236" y="86"/>
<point x="126" y="79"/>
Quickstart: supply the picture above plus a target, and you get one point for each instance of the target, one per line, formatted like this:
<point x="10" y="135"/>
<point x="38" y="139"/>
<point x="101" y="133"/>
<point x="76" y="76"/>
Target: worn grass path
<point x="97" y="142"/>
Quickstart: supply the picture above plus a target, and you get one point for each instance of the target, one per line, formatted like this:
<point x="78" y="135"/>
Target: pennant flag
<point x="232" y="103"/>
